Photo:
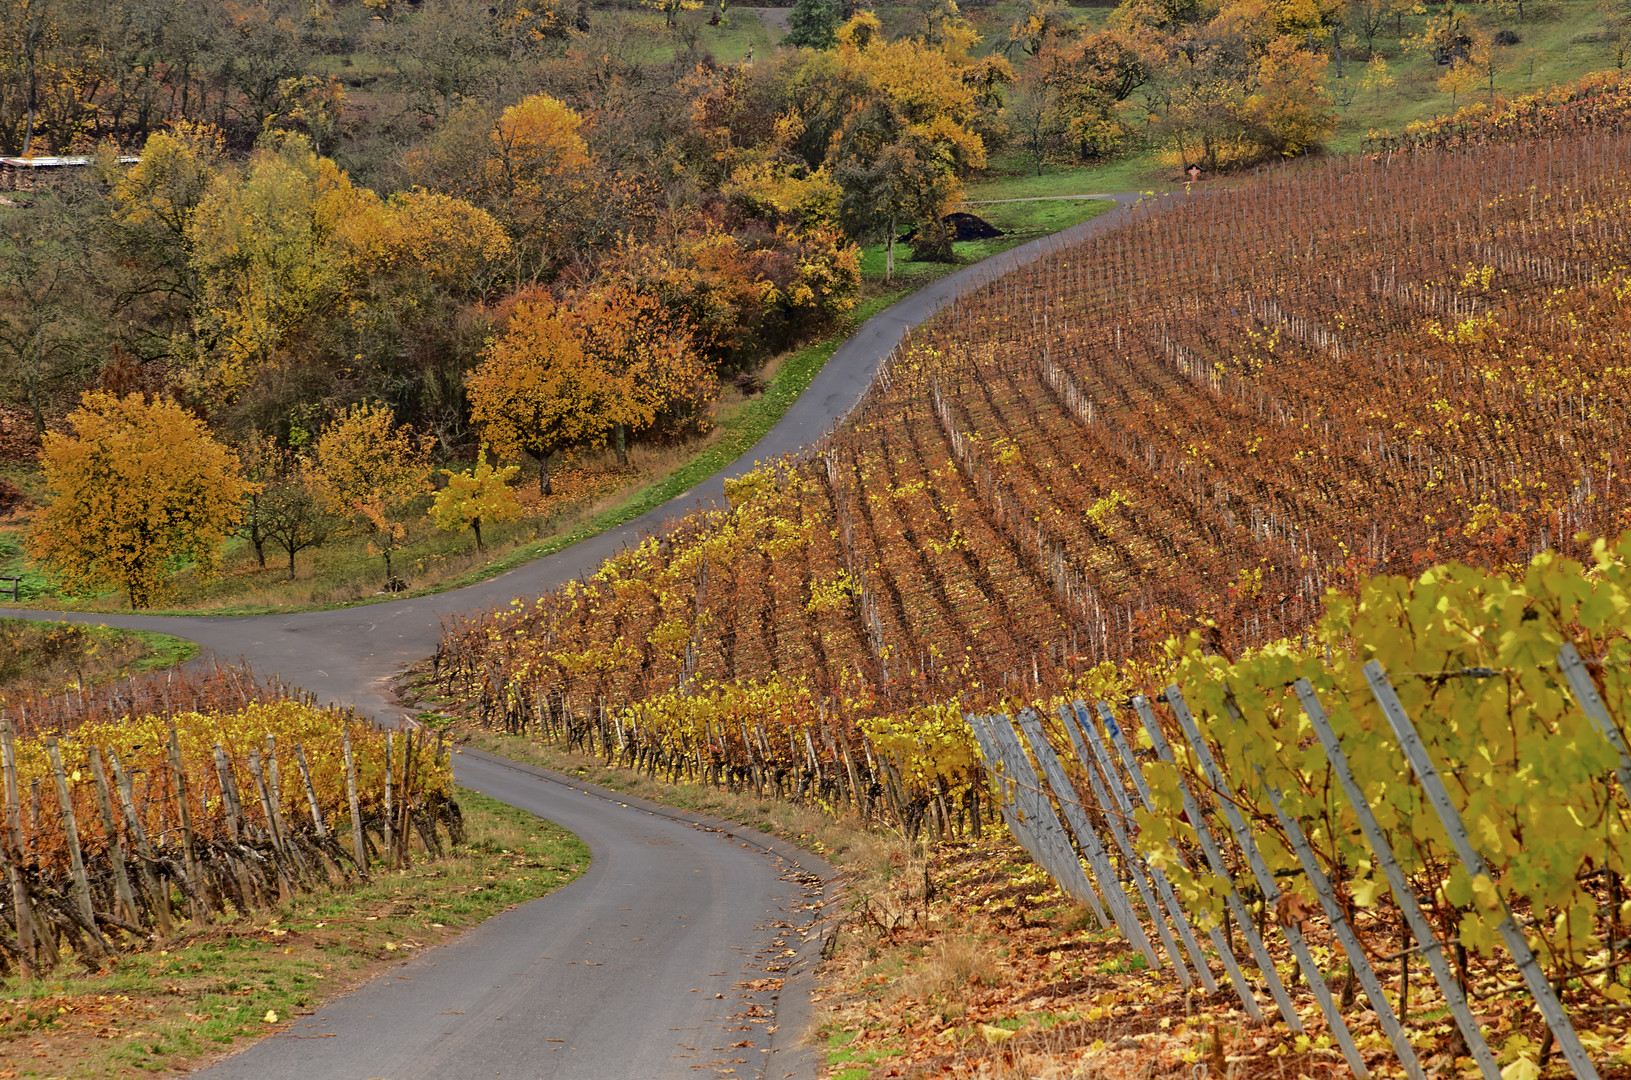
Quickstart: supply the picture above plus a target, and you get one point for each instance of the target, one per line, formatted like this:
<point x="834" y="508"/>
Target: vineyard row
<point x="125" y="825"/>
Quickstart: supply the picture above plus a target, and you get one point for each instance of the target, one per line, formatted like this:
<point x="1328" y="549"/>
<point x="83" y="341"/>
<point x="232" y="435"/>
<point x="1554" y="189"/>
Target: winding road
<point x="667" y="958"/>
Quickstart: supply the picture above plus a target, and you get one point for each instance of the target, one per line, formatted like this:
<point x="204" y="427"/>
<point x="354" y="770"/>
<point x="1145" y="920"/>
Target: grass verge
<point x="214" y="990"/>
<point x="1020" y="223"/>
<point x="49" y="655"/>
<point x="833" y="838"/>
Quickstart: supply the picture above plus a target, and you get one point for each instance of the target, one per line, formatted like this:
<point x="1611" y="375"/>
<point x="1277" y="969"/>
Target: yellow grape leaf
<point x="270" y="1017"/>
<point x="1366" y="890"/>
<point x="1483" y="892"/>
<point x="992" y="1034"/>
<point x="1521" y="1069"/>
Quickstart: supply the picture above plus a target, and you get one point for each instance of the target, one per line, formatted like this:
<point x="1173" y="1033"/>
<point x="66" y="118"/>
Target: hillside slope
<point x="1208" y="417"/>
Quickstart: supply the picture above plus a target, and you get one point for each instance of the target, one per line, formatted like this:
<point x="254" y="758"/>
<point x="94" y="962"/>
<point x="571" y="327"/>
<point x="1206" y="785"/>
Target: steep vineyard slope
<point x="1206" y="418"/>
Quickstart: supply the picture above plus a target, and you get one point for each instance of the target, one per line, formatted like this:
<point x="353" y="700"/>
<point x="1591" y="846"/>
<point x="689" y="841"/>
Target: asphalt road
<point x="638" y="970"/>
<point x="621" y="965"/>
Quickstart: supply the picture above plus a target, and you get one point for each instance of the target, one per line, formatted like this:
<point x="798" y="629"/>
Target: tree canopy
<point x="135" y="488"/>
<point x="538" y="391"/>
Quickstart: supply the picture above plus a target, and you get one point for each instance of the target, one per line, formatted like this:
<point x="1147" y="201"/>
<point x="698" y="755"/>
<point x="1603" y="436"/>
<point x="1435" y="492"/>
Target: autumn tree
<point x="529" y="167"/>
<point x="1289" y="110"/>
<point x="1039" y="22"/>
<point x="1039" y="121"/>
<point x="263" y="250"/>
<point x="285" y="508"/>
<point x="373" y="471"/>
<point x="149" y="214"/>
<point x="49" y="325"/>
<point x="259" y="458"/>
<point x="477" y="494"/>
<point x="1090" y="77"/>
<point x="263" y="60"/>
<point x="657" y="375"/>
<point x="27" y="32"/>
<point x="537" y="392"/>
<point x="901" y="153"/>
<point x="1377" y="77"/>
<point x="445" y="52"/>
<point x="1245" y="84"/>
<point x="671" y="8"/>
<point x="293" y="514"/>
<point x="309" y="286"/>
<point x="137" y="487"/>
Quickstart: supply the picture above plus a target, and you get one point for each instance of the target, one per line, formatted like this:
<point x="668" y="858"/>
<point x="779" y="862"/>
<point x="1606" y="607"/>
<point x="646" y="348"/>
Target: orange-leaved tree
<point x="537" y="390"/>
<point x="659" y="377"/>
<point x="479" y="493"/>
<point x="136" y="487"/>
<point x="373" y="471"/>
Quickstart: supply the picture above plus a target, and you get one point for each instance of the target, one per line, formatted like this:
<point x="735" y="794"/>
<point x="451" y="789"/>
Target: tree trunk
<point x="889" y="253"/>
<point x="290" y="549"/>
<point x="32" y="79"/>
<point x="620" y="443"/>
<point x="31" y="378"/>
<point x="476" y="525"/>
<point x="388" y="574"/>
<point x="546" y="483"/>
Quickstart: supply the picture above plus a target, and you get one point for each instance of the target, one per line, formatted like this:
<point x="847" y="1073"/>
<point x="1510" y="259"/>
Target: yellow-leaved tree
<point x="537" y="391"/>
<point x="373" y="471"/>
<point x="479" y="493"/>
<point x="901" y="152"/>
<point x="137" y="487"/>
<point x="262" y="246"/>
<point x="415" y="241"/>
<point x="529" y="167"/>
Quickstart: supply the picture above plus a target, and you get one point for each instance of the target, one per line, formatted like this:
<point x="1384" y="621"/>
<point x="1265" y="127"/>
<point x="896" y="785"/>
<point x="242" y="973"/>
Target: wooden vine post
<point x="274" y="788"/>
<point x="280" y="855"/>
<point x="196" y="896"/>
<point x="31" y="945"/>
<point x="390" y="834"/>
<point x="116" y="847"/>
<point x="359" y="845"/>
<point x="157" y="889"/>
<point x="311" y="790"/>
<point x="406" y="818"/>
<point x="76" y="859"/>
